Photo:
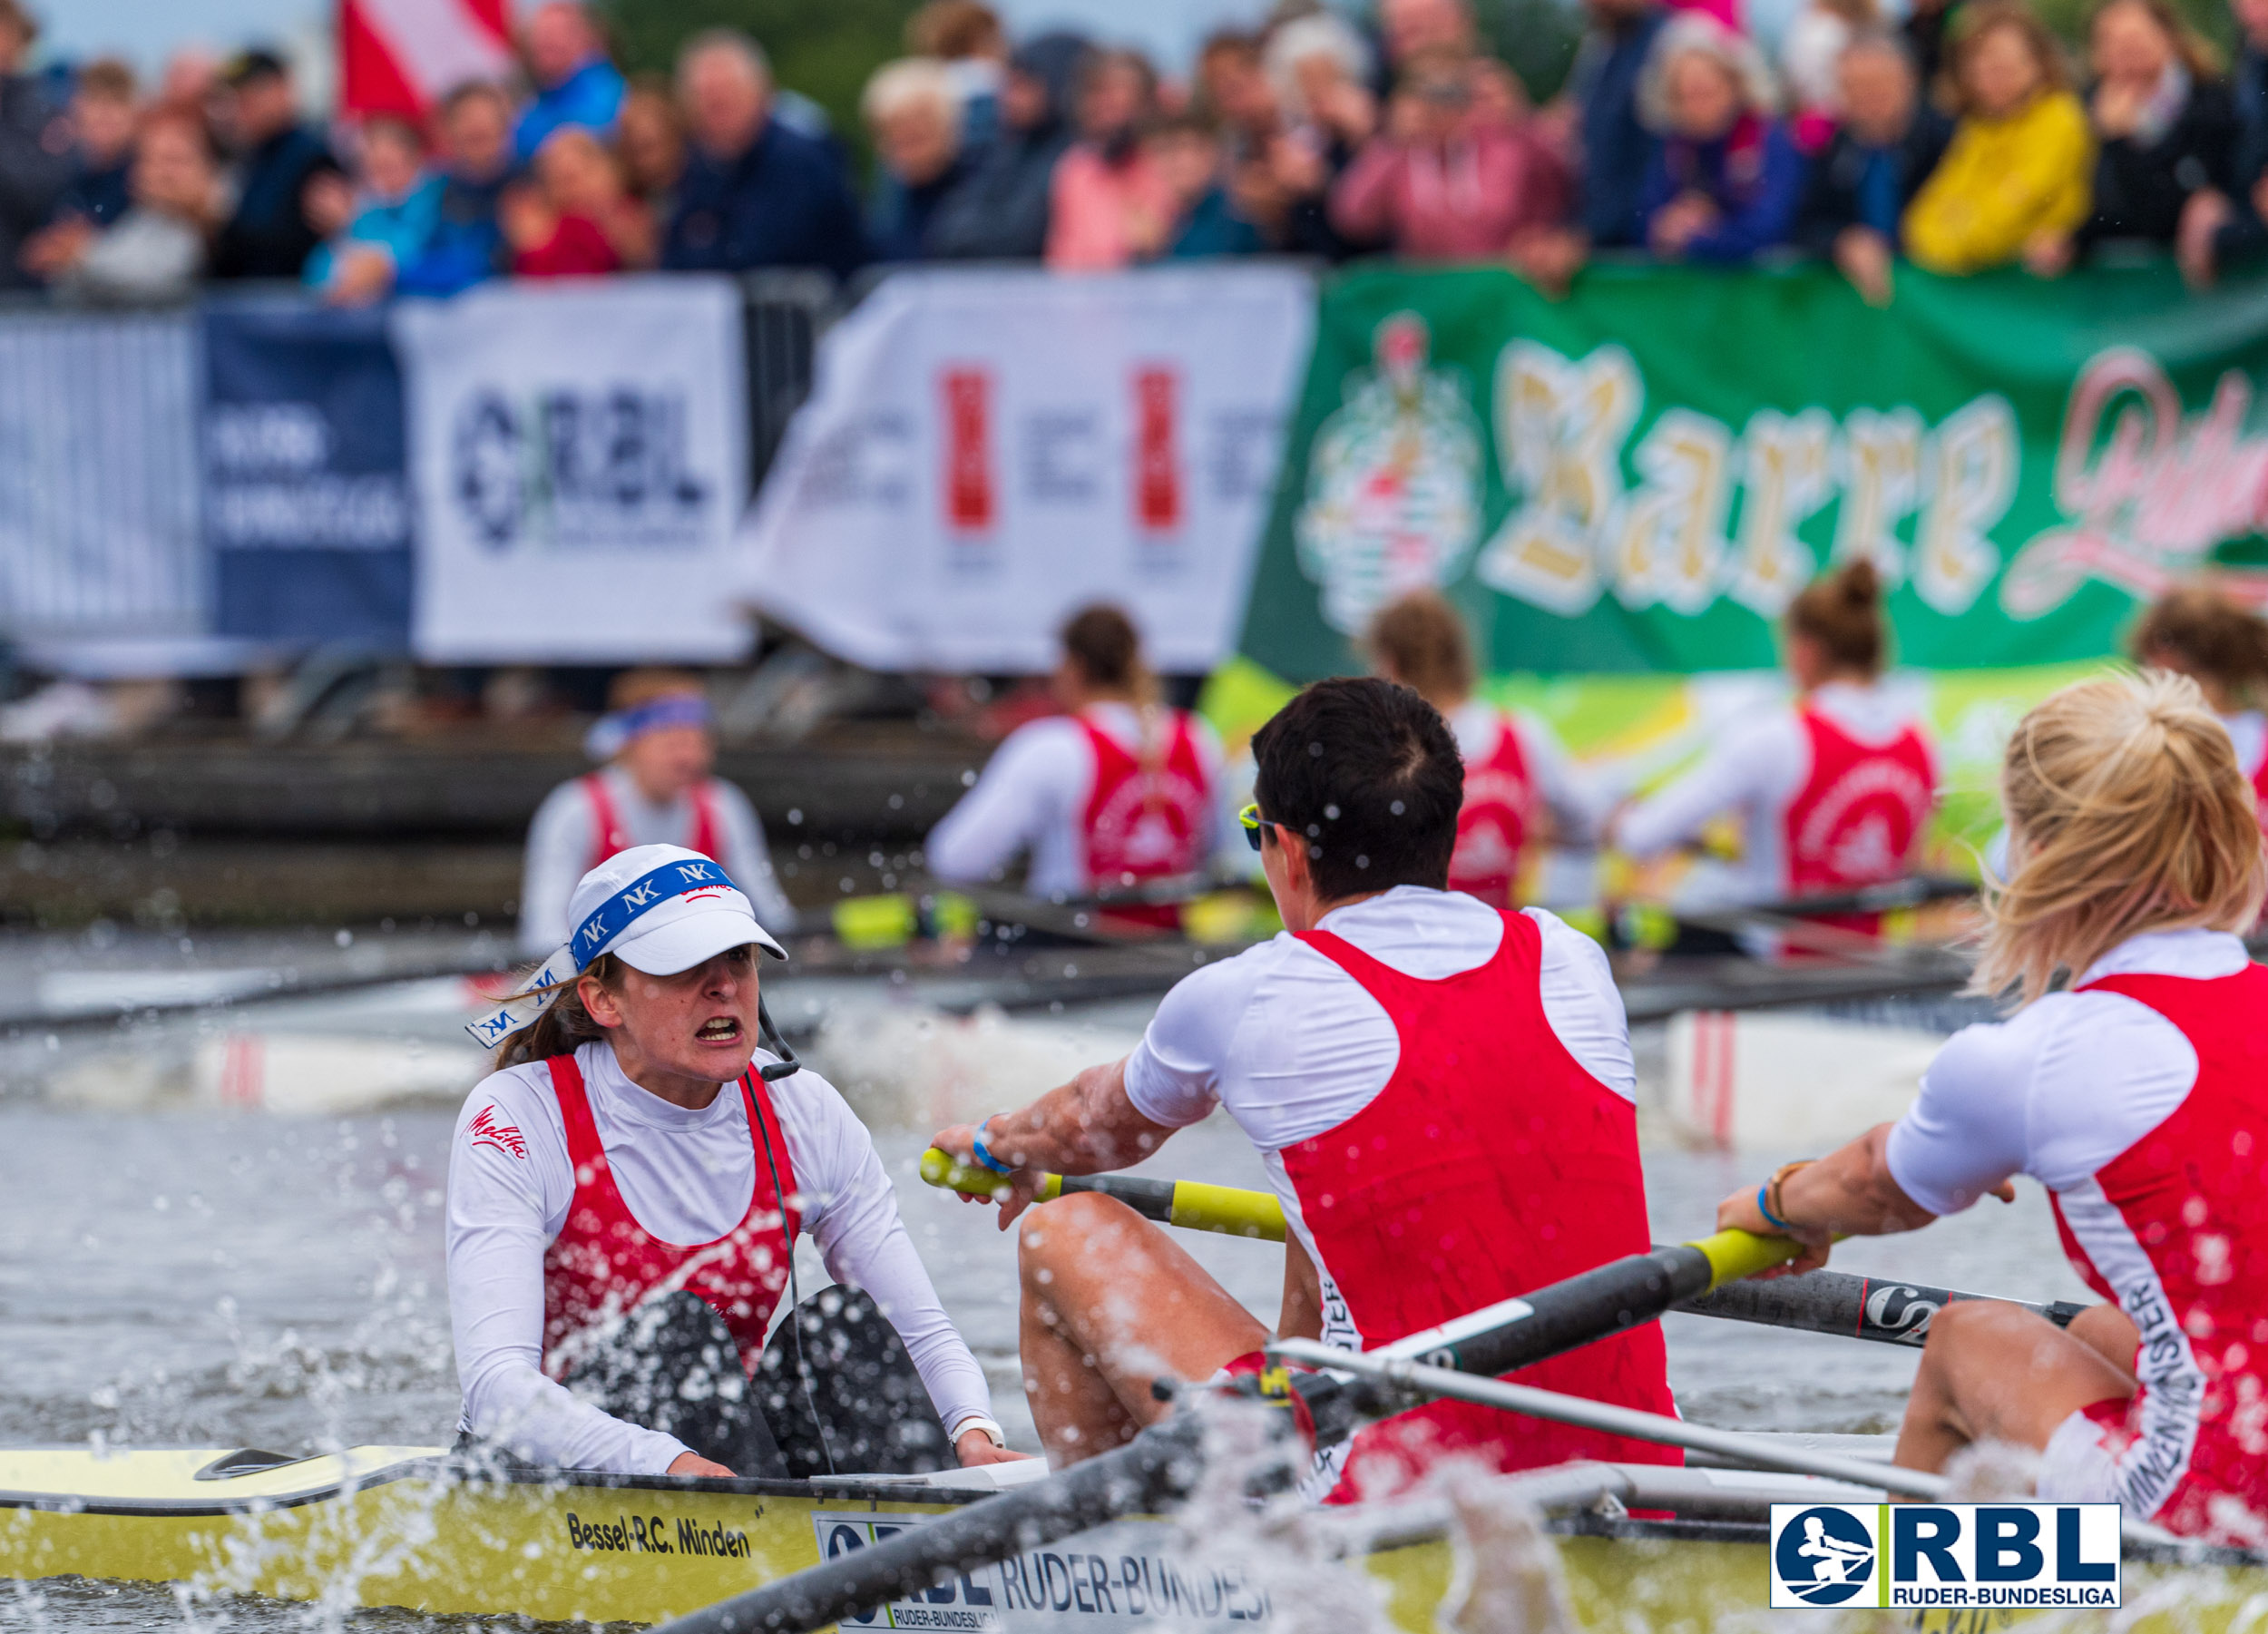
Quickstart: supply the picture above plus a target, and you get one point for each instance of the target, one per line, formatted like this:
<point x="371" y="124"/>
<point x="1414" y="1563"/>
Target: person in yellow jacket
<point x="2017" y="178"/>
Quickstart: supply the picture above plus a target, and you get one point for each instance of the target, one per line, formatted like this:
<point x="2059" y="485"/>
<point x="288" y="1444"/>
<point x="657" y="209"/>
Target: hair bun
<point x="1862" y="584"/>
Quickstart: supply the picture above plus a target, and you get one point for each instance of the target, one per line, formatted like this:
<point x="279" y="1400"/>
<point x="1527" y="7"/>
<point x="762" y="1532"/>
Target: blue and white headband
<point x="690" y="884"/>
<point x="609" y="734"/>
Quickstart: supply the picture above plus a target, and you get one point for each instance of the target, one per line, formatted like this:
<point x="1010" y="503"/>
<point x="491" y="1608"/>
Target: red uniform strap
<point x="708" y="830"/>
<point x="606" y="827"/>
<point x="585" y="1155"/>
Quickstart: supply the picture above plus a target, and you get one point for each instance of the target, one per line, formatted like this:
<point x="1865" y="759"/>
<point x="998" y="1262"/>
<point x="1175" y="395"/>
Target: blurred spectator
<point x="1616" y="149"/>
<point x="754" y="193"/>
<point x="1187" y="152"/>
<point x="392" y="217"/>
<point x="1408" y="28"/>
<point x="1811" y="51"/>
<point x="466" y="243"/>
<point x="2017" y="171"/>
<point x="576" y="216"/>
<point x="102" y="114"/>
<point x="1727" y="177"/>
<point x="1319" y="69"/>
<point x="272" y="233"/>
<point x="652" y="144"/>
<point x="190" y="81"/>
<point x="1443" y="182"/>
<point x="2217" y="227"/>
<point x="1241" y="118"/>
<point x="967" y="37"/>
<point x="574" y="83"/>
<point x="34" y="146"/>
<point x="1108" y="206"/>
<point x="1001" y="212"/>
<point x="156" y="251"/>
<point x="2165" y="128"/>
<point x="914" y="121"/>
<point x="1925" y="28"/>
<point x="1890" y="139"/>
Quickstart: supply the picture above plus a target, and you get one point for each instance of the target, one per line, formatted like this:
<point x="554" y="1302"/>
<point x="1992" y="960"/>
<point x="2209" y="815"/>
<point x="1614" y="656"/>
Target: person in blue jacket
<point x="574" y="83"/>
<point x="1728" y="177"/>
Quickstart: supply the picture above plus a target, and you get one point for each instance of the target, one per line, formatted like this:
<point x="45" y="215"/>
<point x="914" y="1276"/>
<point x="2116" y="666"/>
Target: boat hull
<point x="396" y="1527"/>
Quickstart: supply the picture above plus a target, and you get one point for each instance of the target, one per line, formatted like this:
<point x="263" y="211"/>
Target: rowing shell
<point x="400" y="1526"/>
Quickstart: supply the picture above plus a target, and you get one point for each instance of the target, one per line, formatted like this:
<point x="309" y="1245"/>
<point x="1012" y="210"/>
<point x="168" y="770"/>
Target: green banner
<point x="1639" y="477"/>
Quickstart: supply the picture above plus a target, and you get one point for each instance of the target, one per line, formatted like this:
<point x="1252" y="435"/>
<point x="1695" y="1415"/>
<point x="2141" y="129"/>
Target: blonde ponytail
<point x="2128" y="813"/>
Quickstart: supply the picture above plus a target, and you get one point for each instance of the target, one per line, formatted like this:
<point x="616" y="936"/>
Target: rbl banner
<point x="1917" y="1557"/>
<point x="1641" y="476"/>
<point x="988" y="450"/>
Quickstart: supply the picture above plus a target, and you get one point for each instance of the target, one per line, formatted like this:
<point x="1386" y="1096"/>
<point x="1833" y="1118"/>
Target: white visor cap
<point x="686" y="928"/>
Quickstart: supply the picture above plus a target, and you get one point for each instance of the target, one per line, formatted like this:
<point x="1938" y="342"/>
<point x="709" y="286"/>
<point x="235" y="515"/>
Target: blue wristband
<point x="976" y="1145"/>
<point x="1762" y="1208"/>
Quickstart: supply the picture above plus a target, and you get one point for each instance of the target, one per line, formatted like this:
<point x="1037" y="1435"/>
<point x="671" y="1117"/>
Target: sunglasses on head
<point x="1255" y="826"/>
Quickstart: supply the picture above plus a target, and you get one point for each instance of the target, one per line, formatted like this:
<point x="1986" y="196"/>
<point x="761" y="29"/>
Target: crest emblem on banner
<point x="1393" y="501"/>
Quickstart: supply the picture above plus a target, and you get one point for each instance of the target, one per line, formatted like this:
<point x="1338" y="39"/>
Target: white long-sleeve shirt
<point x="565" y="834"/>
<point x="1033" y="796"/>
<point x="688" y="1177"/>
<point x="1754" y="775"/>
<point x="1578" y="807"/>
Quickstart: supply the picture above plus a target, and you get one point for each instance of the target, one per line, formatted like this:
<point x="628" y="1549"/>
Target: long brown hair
<point x="1842" y="612"/>
<point x="565" y="1024"/>
<point x="1105" y="648"/>
<point x="2209" y="636"/>
<point x="1981" y="17"/>
<point x="2127" y="812"/>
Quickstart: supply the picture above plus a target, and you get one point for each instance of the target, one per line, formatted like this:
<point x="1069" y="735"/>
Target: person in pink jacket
<point x="1109" y="204"/>
<point x="1449" y="179"/>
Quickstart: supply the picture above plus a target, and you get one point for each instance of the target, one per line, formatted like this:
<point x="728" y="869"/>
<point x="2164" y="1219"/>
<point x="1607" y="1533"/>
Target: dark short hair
<point x="1369" y="774"/>
<point x="259" y="63"/>
<point x="1104" y="645"/>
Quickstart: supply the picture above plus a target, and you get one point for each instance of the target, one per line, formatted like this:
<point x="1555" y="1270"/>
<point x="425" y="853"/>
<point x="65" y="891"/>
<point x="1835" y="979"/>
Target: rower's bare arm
<point x="1302" y="1316"/>
<point x="1087" y="1125"/>
<point x="1850" y="1192"/>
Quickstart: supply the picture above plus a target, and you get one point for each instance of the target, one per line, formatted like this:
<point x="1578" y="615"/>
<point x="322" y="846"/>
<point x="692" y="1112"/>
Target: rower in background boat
<point x="1523" y="796"/>
<point x="659" y="743"/>
<point x="1832" y="793"/>
<point x="1116" y="790"/>
<point x="623" y="1200"/>
<point x="1443" y="1093"/>
<point x="2198" y="631"/>
<point x="2137" y="1098"/>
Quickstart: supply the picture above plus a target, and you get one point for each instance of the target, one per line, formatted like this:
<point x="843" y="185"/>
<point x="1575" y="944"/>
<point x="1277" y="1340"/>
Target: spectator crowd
<point x="1958" y="135"/>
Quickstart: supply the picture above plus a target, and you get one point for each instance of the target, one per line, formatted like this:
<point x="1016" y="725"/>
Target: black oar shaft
<point x="1158" y="1468"/>
<point x="1854" y="1307"/>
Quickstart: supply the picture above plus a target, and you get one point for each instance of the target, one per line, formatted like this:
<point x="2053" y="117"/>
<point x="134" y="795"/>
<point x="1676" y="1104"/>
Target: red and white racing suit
<point x="2140" y="1099"/>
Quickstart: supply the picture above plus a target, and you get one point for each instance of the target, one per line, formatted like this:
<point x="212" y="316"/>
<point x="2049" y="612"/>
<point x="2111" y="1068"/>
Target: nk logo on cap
<point x="1920" y="1556"/>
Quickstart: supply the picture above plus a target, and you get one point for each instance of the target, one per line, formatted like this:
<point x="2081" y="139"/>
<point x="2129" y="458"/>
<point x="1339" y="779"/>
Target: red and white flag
<point x="402" y="56"/>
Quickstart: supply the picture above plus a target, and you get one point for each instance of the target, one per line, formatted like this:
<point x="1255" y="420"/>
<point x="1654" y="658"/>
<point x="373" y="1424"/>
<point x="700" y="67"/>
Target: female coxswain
<point x="625" y="1193"/>
<point x="1523" y="797"/>
<point x="1830" y="794"/>
<point x="2136" y="1098"/>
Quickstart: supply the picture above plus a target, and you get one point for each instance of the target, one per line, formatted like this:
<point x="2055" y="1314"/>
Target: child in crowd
<point x="2017" y="173"/>
<point x="577" y="219"/>
<point x="1185" y="149"/>
<point x="158" y="249"/>
<point x="102" y="114"/>
<point x="390" y="217"/>
<point x="1728" y="179"/>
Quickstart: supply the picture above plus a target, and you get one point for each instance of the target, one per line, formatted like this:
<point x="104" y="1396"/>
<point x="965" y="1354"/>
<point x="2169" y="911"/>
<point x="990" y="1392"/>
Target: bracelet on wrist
<point x="1771" y="1202"/>
<point x="983" y="1155"/>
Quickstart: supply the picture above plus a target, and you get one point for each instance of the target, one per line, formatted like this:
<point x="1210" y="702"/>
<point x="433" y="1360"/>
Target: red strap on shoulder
<point x="1368" y="972"/>
<point x="608" y="828"/>
<point x="708" y="837"/>
<point x="585" y="1156"/>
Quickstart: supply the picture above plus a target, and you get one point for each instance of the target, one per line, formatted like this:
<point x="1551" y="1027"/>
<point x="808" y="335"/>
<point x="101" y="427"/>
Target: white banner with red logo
<point x="988" y="451"/>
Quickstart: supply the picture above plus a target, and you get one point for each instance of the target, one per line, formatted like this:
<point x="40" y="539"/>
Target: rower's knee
<point x="1066" y="1231"/>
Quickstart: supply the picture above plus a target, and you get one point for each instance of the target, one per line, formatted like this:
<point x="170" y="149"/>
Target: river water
<point x="216" y="1279"/>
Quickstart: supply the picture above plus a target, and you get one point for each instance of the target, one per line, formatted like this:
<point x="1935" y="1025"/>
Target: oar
<point x="1190" y="1204"/>
<point x="1418" y="1383"/>
<point x="1163" y="1463"/>
<point x="1820" y="1302"/>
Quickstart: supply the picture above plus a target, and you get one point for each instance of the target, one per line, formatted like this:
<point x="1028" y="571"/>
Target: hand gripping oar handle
<point x="1190" y="1204"/>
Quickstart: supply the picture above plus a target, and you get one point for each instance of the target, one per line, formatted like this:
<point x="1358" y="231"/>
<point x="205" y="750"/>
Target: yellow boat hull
<point x="390" y="1527"/>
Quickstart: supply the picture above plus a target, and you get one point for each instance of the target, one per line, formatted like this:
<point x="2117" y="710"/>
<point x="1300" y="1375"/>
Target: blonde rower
<point x="2138" y="1097"/>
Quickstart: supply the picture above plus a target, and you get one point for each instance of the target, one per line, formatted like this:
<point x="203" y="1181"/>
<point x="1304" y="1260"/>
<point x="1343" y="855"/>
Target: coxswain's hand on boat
<point x="693" y="1464"/>
<point x="1850" y="1192"/>
<point x="976" y="1446"/>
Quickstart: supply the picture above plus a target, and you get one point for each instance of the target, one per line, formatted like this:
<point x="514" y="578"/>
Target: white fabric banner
<point x="986" y="451"/>
<point x="579" y="458"/>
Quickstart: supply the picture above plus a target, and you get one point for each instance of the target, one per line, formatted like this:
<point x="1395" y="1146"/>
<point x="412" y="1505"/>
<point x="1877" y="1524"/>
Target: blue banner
<point x="307" y="509"/>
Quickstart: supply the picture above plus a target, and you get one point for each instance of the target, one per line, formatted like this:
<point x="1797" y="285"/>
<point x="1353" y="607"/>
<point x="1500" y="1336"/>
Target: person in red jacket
<point x="1442" y="1092"/>
<point x="2135" y="1095"/>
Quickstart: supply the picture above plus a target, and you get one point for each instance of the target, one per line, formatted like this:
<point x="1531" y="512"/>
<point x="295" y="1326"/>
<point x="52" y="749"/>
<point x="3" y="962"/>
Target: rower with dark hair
<point x="1116" y="790"/>
<point x="1831" y="793"/>
<point x="2199" y="631"/>
<point x="1442" y="1091"/>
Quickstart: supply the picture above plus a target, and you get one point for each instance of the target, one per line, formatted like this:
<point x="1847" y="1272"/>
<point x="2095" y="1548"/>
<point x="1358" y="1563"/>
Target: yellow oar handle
<point x="1732" y="1255"/>
<point x="1190" y="1204"/>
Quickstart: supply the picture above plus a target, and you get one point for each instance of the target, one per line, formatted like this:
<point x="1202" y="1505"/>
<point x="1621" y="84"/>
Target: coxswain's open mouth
<point x="720" y="1030"/>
